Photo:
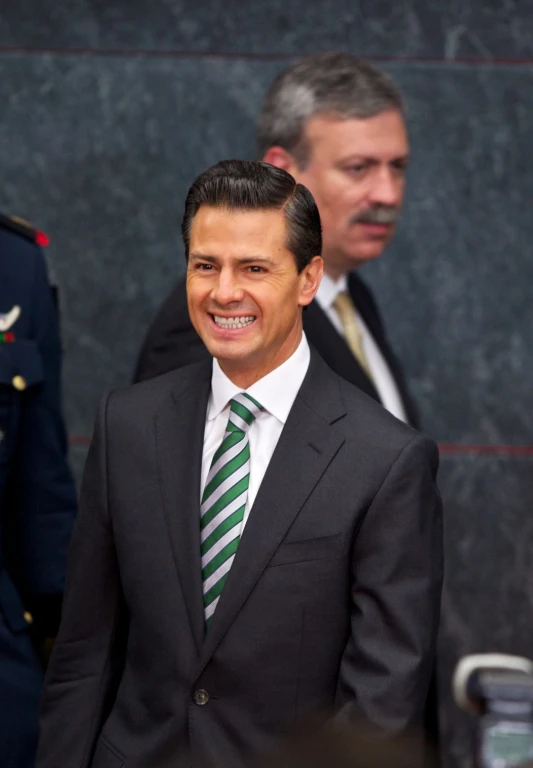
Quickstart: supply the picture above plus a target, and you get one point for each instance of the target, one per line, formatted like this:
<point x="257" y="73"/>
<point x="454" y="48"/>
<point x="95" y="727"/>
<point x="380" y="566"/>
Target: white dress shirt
<point x="384" y="382"/>
<point x="276" y="392"/>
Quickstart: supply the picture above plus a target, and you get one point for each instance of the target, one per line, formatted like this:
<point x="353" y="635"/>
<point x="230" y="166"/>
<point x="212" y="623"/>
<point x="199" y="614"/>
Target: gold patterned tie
<point x="350" y="327"/>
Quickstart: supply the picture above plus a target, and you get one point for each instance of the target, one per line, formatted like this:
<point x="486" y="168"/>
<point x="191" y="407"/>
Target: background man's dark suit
<point x="172" y="342"/>
<point x="332" y="601"/>
<point x="37" y="494"/>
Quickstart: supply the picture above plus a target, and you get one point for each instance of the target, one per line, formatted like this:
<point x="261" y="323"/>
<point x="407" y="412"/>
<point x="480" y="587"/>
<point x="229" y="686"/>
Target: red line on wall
<point x="177" y="54"/>
<point x="458" y="449"/>
<point x="79" y="441"/>
<point x="446" y="449"/>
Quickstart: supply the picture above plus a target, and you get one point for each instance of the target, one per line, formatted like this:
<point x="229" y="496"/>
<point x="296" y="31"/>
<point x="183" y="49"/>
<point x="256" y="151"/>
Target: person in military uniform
<point x="37" y="492"/>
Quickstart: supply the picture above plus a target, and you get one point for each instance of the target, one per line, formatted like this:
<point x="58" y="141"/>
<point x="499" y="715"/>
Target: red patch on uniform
<point x="42" y="239"/>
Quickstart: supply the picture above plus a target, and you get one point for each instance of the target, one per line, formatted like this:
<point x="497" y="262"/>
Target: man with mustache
<point x="335" y="123"/>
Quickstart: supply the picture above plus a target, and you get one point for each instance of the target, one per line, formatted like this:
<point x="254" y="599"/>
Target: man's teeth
<point x="233" y="322"/>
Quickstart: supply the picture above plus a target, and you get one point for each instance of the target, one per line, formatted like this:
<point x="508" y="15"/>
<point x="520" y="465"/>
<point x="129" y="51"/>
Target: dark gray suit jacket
<point x="331" y="605"/>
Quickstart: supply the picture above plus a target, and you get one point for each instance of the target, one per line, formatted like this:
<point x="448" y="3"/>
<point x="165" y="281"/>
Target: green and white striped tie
<point x="224" y="500"/>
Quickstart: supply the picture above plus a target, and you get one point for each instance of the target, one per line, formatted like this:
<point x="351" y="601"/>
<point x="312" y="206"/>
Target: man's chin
<point x="368" y="250"/>
<point x="355" y="260"/>
<point x="231" y="351"/>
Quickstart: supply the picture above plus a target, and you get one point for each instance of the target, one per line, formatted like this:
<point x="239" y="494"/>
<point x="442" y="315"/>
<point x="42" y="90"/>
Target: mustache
<point x="378" y="214"/>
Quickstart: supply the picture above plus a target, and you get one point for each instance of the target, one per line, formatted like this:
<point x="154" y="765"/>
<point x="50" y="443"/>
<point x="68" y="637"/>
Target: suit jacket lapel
<point x="179" y="443"/>
<point x="307" y="445"/>
<point x="368" y="310"/>
<point x="333" y="349"/>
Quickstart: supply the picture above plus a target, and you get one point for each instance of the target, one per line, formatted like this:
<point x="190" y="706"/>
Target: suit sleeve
<point x="80" y="677"/>
<point x="42" y="488"/>
<point x="397" y="577"/>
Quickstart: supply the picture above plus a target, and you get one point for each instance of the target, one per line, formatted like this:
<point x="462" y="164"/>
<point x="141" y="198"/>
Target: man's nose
<point x="227" y="289"/>
<point x="387" y="188"/>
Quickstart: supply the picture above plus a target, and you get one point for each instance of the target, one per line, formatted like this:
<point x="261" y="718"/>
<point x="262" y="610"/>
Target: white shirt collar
<point x="329" y="289"/>
<point x="276" y="391"/>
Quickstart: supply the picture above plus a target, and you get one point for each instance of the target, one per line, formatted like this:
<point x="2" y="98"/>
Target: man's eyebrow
<point x="369" y="157"/>
<point x="244" y="260"/>
<point x="203" y="257"/>
<point x="255" y="260"/>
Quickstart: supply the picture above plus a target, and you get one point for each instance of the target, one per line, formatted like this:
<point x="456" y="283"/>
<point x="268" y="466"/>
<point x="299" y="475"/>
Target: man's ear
<point x="281" y="159"/>
<point x="311" y="276"/>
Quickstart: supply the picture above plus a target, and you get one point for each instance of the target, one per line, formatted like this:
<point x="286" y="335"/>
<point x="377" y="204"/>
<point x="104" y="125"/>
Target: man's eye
<point x="255" y="269"/>
<point x="400" y="166"/>
<point x="204" y="267"/>
<point x="357" y="169"/>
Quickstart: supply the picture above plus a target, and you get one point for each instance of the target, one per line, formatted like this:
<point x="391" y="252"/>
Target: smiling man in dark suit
<point x="258" y="541"/>
<point x="335" y="122"/>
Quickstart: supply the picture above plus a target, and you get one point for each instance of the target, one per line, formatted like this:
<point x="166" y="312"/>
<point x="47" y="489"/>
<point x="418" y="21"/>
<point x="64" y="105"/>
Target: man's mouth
<point x="233" y="323"/>
<point x="373" y="226"/>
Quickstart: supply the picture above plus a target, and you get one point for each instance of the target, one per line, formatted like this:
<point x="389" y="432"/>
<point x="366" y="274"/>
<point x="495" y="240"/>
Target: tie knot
<point x="244" y="410"/>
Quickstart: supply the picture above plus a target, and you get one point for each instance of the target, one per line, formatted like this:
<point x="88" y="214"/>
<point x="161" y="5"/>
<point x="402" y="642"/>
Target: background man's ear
<point x="281" y="159"/>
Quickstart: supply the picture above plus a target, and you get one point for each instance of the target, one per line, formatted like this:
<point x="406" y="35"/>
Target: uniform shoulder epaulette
<point x="25" y="229"/>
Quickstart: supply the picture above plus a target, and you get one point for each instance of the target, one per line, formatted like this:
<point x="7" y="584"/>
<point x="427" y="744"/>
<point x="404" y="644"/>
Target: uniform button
<point x="200" y="697"/>
<point x="19" y="382"/>
<point x="28" y="618"/>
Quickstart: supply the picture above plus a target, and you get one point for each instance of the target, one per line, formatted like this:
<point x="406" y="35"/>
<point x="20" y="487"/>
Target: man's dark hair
<point x="244" y="185"/>
<point x="336" y="84"/>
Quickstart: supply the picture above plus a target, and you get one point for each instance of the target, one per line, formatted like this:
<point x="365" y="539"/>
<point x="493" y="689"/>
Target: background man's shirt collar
<point x="329" y="289"/>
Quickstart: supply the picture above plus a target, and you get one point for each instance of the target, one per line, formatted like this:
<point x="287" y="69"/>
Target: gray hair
<point x="328" y="83"/>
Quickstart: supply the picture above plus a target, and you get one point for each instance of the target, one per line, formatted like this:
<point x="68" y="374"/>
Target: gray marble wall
<point x="109" y="110"/>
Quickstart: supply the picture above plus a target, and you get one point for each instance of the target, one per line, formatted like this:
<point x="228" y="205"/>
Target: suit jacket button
<point x="200" y="697"/>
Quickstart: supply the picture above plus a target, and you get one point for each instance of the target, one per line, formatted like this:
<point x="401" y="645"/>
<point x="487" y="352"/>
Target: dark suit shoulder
<point x="145" y="397"/>
<point x="370" y="430"/>
<point x="347" y="407"/>
<point x="171" y="341"/>
<point x="370" y="415"/>
<point x="171" y="319"/>
<point x="174" y="308"/>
